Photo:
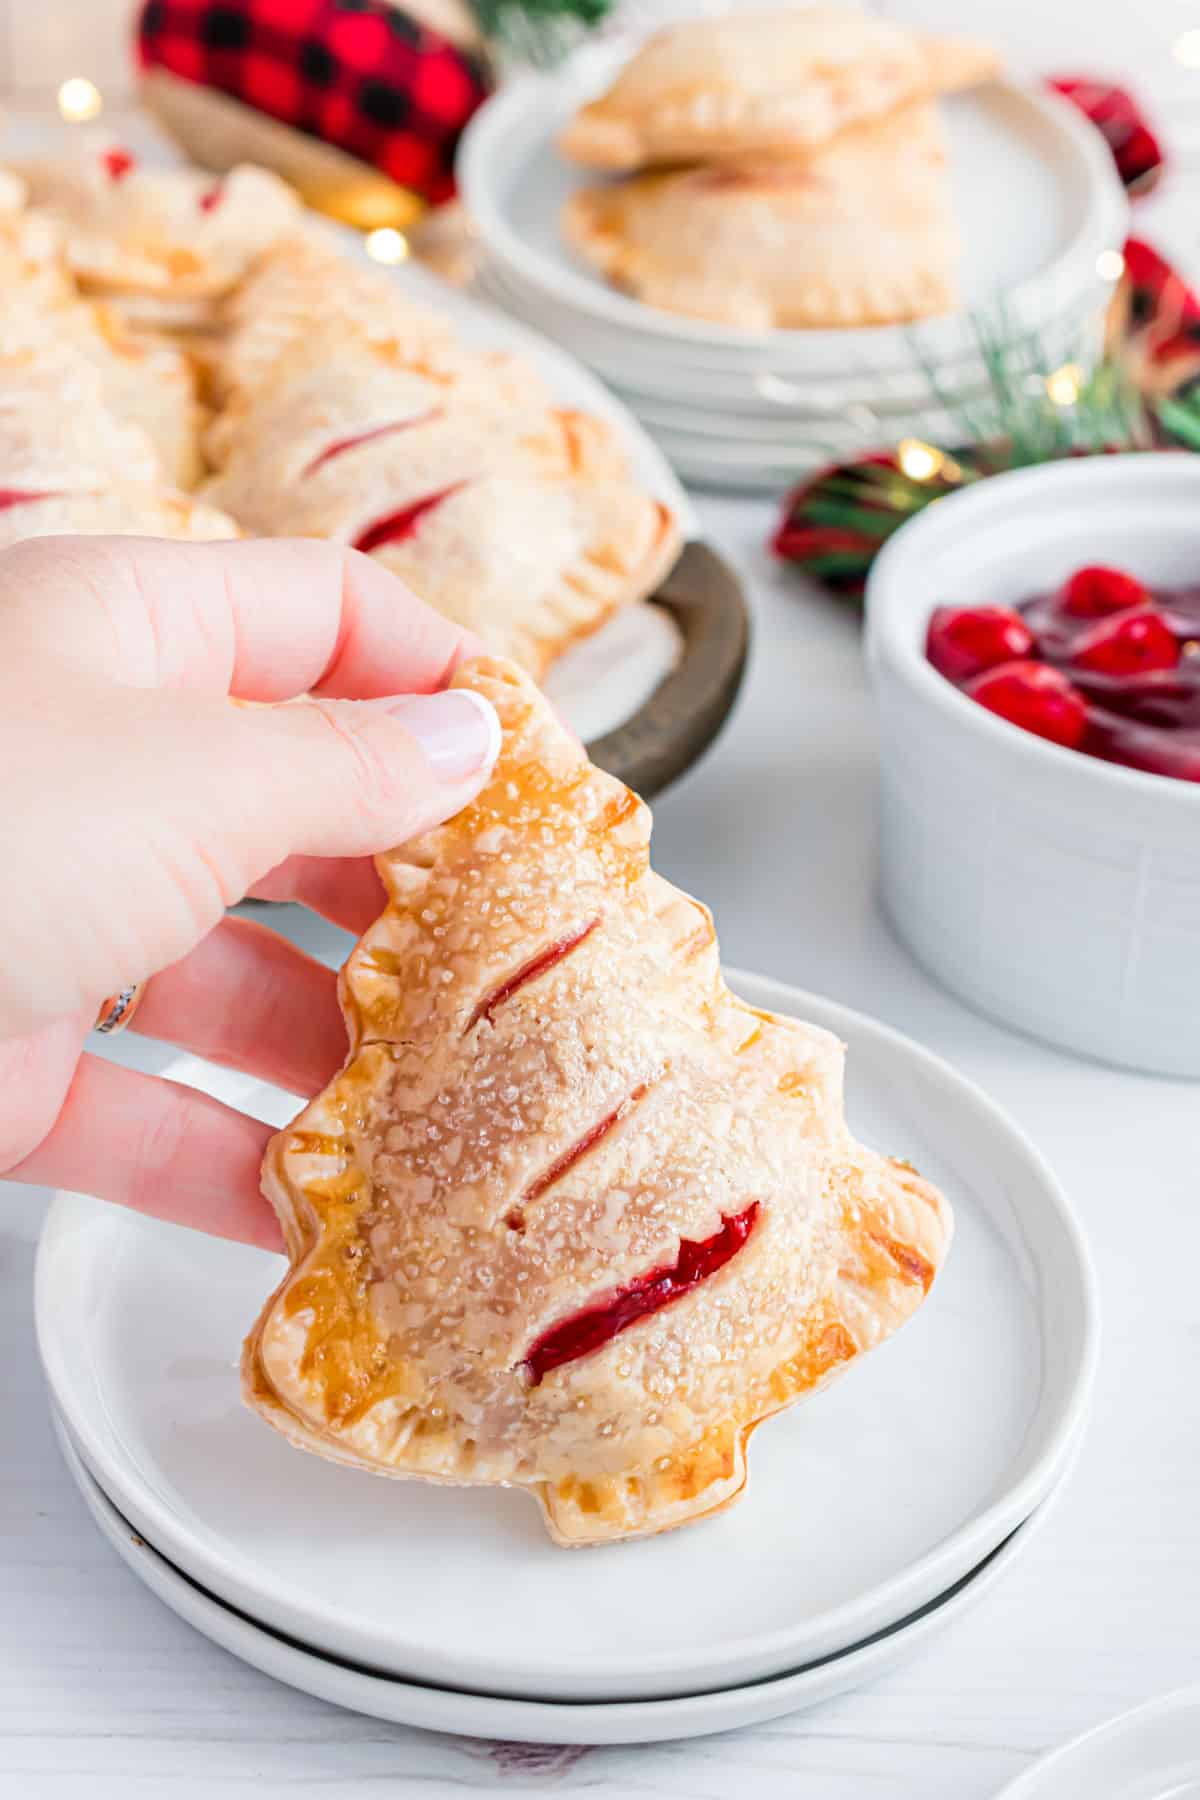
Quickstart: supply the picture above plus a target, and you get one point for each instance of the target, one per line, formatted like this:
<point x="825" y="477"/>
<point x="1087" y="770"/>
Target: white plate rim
<point x="602" y="342"/>
<point x="847" y="1623"/>
<point x="468" y="1714"/>
<point x="1044" y="1780"/>
<point x="636" y="373"/>
<point x="479" y="154"/>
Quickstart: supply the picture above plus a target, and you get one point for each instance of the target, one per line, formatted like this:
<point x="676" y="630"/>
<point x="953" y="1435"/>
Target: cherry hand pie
<point x="859" y="233"/>
<point x="572" y="1218"/>
<point x="509" y="516"/>
<point x="763" y="84"/>
<point x="163" y="244"/>
<point x="125" y="510"/>
<point x="303" y="285"/>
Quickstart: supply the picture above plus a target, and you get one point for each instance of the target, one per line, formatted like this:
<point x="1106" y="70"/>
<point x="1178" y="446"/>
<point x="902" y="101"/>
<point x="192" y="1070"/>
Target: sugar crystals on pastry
<point x="762" y="84"/>
<point x="572" y="1218"/>
<point x="859" y="233"/>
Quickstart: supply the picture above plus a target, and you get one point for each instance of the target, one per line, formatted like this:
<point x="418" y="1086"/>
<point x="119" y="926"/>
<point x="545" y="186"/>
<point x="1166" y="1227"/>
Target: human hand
<point x="138" y="801"/>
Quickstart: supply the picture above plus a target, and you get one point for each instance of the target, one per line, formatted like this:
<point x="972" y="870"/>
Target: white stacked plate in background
<point x="1042" y="217"/>
<point x="874" y="1515"/>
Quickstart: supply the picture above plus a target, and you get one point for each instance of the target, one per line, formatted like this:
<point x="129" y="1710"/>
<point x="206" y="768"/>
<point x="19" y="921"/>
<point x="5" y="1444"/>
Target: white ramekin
<point x="1058" y="893"/>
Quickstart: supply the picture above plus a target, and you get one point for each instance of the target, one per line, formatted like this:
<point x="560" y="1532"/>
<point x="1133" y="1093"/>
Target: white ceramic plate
<point x="862" y="1507"/>
<point x="1035" y="193"/>
<point x="755" y="395"/>
<point x="1152" y="1753"/>
<point x="532" y="1721"/>
<point x="852" y="369"/>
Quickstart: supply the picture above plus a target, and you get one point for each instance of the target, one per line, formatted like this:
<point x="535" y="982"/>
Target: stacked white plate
<point x="874" y="1517"/>
<point x="1042" y="217"/>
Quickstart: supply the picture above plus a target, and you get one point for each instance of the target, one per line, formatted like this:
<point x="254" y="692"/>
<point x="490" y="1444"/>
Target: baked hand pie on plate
<point x="305" y="285"/>
<point x="859" y="233"/>
<point x="516" y="519"/>
<point x="763" y="84"/>
<point x="126" y="510"/>
<point x="165" y="244"/>
<point x="572" y="1218"/>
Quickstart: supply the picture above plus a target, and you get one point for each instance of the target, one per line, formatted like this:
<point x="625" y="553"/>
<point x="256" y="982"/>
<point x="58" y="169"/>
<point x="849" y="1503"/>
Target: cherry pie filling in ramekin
<point x="1103" y="664"/>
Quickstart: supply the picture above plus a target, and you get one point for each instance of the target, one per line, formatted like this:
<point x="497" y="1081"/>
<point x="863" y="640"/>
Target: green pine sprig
<point x="538" y="33"/>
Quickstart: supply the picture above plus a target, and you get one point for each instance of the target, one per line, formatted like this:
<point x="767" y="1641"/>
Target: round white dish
<point x="1035" y="193"/>
<point x="533" y="1721"/>
<point x="926" y="1457"/>
<point x="1058" y="893"/>
<point x="1151" y="1753"/>
<point x="860" y="372"/>
<point x="760" y="380"/>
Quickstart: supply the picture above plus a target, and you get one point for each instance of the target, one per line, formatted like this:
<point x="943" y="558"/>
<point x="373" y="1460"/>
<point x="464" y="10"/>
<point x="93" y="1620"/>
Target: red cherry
<point x="1035" y="697"/>
<point x="1093" y="592"/>
<point x="118" y="163"/>
<point x="964" y="640"/>
<point x="1132" y="644"/>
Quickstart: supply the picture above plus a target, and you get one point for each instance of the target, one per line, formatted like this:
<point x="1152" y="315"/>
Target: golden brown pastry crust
<point x="549" y="1095"/>
<point x="125" y="510"/>
<point x="763" y="84"/>
<point x="172" y="240"/>
<point x="859" y="233"/>
<point x="522" y="520"/>
<point x="304" y="286"/>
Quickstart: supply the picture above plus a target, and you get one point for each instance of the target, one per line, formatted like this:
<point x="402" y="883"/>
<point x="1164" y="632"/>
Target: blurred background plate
<point x="1035" y="192"/>
<point x="1152" y="1753"/>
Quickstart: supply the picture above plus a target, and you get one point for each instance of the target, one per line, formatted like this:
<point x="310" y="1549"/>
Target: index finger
<point x="264" y="619"/>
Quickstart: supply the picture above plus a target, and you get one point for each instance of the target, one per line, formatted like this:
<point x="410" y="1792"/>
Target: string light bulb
<point x="1063" y="384"/>
<point x="919" y="461"/>
<point x="79" y="100"/>
<point x="1110" y="265"/>
<point x="1186" y="49"/>
<point x="386" y="245"/>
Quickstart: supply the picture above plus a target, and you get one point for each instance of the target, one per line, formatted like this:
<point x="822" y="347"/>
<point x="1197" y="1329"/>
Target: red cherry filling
<point x="1130" y="644"/>
<point x="537" y="965"/>
<point x="341" y="445"/>
<point x="597" y="1325"/>
<point x="1094" y="592"/>
<point x="964" y="640"/>
<point x="1108" y="670"/>
<point x="395" y="527"/>
<point x="117" y="163"/>
<point x="211" y="198"/>
<point x="24" y="496"/>
<point x="1035" y="697"/>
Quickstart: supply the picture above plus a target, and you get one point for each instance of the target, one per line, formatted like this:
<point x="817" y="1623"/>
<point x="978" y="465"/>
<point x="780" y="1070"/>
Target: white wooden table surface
<point x="105" y="1694"/>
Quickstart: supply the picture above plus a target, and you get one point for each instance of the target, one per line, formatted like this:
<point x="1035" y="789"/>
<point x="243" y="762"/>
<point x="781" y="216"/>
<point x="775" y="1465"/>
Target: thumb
<point x="142" y="814"/>
<point x="352" y="777"/>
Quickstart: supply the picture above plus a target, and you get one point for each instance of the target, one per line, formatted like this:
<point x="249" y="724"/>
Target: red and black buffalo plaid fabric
<point x="360" y="74"/>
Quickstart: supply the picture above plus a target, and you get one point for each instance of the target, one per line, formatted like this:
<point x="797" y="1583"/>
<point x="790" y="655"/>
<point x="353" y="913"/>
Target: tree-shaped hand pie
<point x="572" y="1218"/>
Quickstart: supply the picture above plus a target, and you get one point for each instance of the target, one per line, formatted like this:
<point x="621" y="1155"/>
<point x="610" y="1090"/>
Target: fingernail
<point x="458" y="730"/>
